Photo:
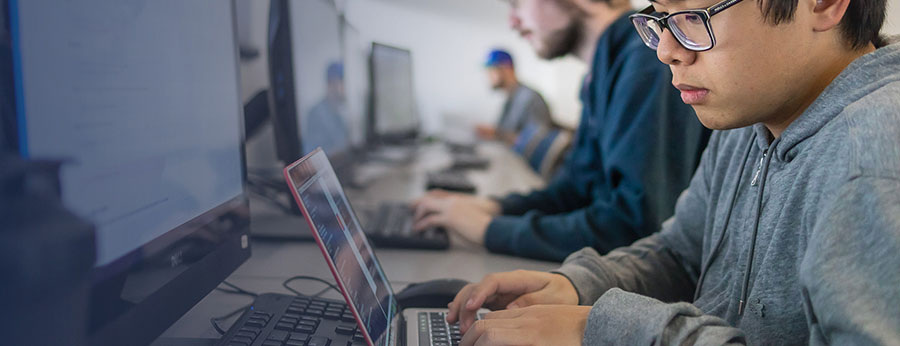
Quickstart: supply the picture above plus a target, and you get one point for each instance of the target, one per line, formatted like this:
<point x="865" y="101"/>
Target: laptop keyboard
<point x="435" y="331"/>
<point x="282" y="320"/>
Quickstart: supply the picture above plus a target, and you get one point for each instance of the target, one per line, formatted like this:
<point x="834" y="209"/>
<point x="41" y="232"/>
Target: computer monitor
<point x="394" y="115"/>
<point x="141" y="100"/>
<point x="283" y="108"/>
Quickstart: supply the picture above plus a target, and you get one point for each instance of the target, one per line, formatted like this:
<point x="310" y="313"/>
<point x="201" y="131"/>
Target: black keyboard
<point x="450" y="181"/>
<point x="283" y="320"/>
<point x="390" y="226"/>
<point x="469" y="161"/>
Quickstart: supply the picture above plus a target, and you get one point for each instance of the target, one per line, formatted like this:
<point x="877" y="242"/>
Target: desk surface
<point x="273" y="262"/>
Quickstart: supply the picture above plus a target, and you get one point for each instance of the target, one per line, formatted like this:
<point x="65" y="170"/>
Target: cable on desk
<point x="331" y="286"/>
<point x="215" y="320"/>
<point x="236" y="290"/>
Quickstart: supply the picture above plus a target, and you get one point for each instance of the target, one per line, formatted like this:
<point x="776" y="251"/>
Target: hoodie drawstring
<point x="718" y="246"/>
<point x="759" y="198"/>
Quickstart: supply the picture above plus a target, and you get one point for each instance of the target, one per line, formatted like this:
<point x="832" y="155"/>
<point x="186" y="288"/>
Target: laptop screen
<point x="340" y="236"/>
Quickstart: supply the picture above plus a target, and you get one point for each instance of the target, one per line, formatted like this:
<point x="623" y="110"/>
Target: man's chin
<point x="719" y="120"/>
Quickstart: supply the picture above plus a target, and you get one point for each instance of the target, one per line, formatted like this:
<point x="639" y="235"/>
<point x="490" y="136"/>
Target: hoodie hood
<point x="863" y="76"/>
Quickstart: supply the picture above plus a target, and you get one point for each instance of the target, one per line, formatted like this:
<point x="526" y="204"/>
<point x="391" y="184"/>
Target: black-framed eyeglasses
<point x="690" y="28"/>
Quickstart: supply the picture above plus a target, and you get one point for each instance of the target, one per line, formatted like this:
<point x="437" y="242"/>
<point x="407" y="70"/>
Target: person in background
<point x="325" y="126"/>
<point x="790" y="229"/>
<point x="523" y="105"/>
<point x="635" y="150"/>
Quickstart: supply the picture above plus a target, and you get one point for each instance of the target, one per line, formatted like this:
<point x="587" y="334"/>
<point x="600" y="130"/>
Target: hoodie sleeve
<point x="649" y="142"/>
<point x="851" y="271"/>
<point x="665" y="265"/>
<point x="849" y="279"/>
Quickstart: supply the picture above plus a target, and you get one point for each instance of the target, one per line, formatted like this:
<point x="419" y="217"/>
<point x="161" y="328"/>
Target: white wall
<point x="448" y="57"/>
<point x="892" y="24"/>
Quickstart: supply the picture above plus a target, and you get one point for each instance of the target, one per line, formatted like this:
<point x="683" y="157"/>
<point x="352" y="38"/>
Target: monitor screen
<point x="341" y="238"/>
<point x="319" y="77"/>
<point x="140" y="99"/>
<point x="393" y="100"/>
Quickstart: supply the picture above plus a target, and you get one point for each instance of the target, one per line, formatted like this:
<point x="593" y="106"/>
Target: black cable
<point x="215" y="320"/>
<point x="331" y="286"/>
<point x="236" y="290"/>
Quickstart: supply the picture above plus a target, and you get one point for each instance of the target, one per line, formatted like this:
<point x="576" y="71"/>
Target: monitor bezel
<point x="228" y="224"/>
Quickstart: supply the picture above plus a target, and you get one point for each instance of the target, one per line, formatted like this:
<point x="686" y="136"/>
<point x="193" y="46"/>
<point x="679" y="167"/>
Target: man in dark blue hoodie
<point x="636" y="148"/>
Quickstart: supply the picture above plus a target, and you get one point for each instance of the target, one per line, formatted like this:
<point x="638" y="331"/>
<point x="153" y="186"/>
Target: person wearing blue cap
<point x="636" y="148"/>
<point x="523" y="105"/>
<point x="325" y="125"/>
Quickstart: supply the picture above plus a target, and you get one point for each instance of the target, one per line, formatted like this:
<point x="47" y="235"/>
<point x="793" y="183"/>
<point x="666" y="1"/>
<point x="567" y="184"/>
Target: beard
<point x="562" y="42"/>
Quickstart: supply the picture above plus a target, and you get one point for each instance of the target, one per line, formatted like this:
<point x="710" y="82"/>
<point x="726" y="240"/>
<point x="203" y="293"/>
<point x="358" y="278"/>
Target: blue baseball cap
<point x="335" y="71"/>
<point x="499" y="57"/>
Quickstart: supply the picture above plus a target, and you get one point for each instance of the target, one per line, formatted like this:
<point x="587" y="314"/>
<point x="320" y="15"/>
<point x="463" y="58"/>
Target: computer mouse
<point x="430" y="294"/>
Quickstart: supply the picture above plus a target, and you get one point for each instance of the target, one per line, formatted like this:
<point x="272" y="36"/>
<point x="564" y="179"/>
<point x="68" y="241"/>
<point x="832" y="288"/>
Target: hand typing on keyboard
<point x="464" y="215"/>
<point x="510" y="290"/>
<point x="533" y="325"/>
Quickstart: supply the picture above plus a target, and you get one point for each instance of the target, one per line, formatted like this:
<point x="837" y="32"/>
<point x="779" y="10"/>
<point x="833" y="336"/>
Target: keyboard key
<point x="253" y="330"/>
<point x="272" y="343"/>
<point x="302" y="328"/>
<point x="299" y="336"/>
<point x="256" y="323"/>
<point x="318" y="341"/>
<point x="245" y="334"/>
<point x="235" y="343"/>
<point x="242" y="338"/>
<point x="348" y="318"/>
<point x="345" y="330"/>
<point x="278" y="335"/>
<point x="314" y="312"/>
<point x="331" y="316"/>
<point x="284" y="326"/>
<point x="307" y="322"/>
<point x="295" y="343"/>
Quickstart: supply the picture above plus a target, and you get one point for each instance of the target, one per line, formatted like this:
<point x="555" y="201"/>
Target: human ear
<point x="827" y="14"/>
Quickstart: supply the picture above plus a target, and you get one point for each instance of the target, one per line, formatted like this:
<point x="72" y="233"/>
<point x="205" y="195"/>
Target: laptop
<point x="352" y="261"/>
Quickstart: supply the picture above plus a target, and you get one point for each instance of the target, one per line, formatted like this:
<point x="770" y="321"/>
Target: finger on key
<point x="494" y="332"/>
<point x="457" y="302"/>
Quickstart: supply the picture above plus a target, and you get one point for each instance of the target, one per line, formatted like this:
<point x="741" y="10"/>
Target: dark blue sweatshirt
<point x="636" y="148"/>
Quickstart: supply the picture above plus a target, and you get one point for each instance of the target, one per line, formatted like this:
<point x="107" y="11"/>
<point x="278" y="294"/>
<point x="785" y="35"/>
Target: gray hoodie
<point x="788" y="241"/>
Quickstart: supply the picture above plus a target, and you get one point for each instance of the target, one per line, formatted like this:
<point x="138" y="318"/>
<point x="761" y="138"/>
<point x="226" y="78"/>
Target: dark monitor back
<point x="281" y="76"/>
<point x="141" y="99"/>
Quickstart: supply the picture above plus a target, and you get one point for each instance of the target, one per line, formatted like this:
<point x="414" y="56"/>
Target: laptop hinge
<point x="401" y="330"/>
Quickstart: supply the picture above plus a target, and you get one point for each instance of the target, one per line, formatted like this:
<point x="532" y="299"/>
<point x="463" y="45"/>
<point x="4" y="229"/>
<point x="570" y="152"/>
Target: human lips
<point x="691" y="94"/>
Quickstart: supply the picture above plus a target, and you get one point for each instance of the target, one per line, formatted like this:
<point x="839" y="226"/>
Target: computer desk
<point x="273" y="262"/>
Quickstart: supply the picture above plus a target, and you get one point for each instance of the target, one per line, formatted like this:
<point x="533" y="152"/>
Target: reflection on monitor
<point x="393" y="102"/>
<point x="141" y="99"/>
<point x="340" y="235"/>
<point x="319" y="76"/>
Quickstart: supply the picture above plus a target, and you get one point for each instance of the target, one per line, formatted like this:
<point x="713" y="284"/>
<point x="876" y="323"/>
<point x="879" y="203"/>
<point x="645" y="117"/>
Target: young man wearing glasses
<point x="636" y="149"/>
<point x="790" y="229"/>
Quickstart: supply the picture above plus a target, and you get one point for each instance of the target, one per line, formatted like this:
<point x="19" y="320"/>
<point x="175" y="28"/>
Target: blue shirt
<point x="636" y="148"/>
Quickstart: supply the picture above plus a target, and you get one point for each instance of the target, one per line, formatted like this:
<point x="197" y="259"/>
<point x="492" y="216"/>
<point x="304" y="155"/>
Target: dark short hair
<point x="860" y="26"/>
